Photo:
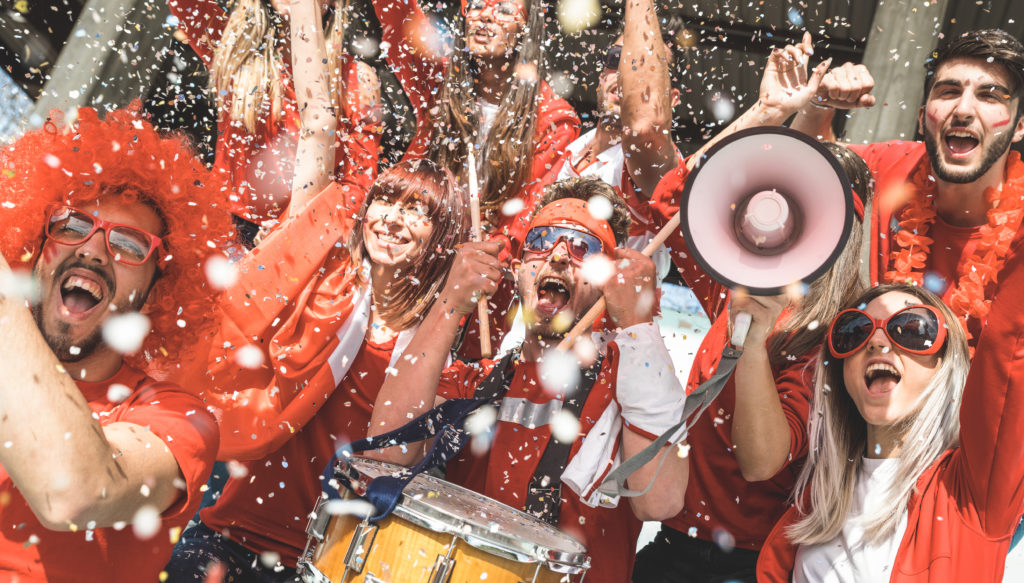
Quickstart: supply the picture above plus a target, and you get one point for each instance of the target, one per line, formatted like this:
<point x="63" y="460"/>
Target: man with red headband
<point x="623" y="401"/>
<point x="101" y="464"/>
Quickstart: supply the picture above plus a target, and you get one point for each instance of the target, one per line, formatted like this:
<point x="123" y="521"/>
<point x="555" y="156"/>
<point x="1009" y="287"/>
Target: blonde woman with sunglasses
<point x="911" y="476"/>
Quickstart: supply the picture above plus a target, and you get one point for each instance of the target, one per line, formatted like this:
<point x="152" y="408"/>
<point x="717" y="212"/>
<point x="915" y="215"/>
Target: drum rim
<point x="474" y="533"/>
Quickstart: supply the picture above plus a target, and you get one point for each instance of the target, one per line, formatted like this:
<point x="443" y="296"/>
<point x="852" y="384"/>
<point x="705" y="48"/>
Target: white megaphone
<point x="763" y="209"/>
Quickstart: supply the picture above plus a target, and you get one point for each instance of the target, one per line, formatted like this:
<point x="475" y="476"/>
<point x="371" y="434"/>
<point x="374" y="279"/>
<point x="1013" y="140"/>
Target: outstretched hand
<point x="786" y="85"/>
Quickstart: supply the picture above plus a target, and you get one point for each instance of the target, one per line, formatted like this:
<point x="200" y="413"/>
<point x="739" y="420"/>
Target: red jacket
<point x="967" y="504"/>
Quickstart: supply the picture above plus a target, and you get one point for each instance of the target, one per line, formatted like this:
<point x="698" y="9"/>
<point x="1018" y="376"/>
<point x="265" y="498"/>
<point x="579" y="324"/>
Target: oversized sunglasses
<point x="612" y="57"/>
<point x="505" y="10"/>
<point x="126" y="244"/>
<point x="915" y="329"/>
<point x="581" y="244"/>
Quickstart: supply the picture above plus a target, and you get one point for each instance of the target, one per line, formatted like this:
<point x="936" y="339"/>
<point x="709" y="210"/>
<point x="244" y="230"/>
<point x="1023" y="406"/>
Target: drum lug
<point x="360" y="545"/>
<point x="316" y="527"/>
<point x="443" y="566"/>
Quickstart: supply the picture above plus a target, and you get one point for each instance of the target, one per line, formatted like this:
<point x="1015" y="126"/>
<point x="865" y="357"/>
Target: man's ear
<point x="514" y="264"/>
<point x="1018" y="129"/>
<point x="920" y="120"/>
<point x="675" y="97"/>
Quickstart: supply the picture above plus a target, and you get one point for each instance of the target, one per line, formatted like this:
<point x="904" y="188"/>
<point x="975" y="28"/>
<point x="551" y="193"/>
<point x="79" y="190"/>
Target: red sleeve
<point x="282" y="265"/>
<point x="793" y="383"/>
<point x="202" y="21"/>
<point x="410" y="35"/>
<point x="459" y="381"/>
<point x="557" y="127"/>
<point x="190" y="432"/>
<point x="988" y="468"/>
<point x="712" y="295"/>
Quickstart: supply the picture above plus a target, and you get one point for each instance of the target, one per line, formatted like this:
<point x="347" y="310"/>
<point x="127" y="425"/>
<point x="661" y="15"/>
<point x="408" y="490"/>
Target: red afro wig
<point x="124" y="155"/>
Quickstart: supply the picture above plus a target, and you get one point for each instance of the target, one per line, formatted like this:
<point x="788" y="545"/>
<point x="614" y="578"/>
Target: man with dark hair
<point x="102" y="464"/>
<point x="949" y="208"/>
<point x="622" y="402"/>
<point x="631" y="148"/>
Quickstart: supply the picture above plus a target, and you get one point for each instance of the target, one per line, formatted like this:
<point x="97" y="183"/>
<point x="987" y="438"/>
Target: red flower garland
<point x="1006" y="210"/>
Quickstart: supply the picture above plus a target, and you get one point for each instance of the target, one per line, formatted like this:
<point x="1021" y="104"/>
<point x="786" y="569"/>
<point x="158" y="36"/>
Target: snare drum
<point x="438" y="533"/>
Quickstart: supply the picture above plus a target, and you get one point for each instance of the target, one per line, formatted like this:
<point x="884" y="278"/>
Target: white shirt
<point x="609" y="166"/>
<point x="846" y="559"/>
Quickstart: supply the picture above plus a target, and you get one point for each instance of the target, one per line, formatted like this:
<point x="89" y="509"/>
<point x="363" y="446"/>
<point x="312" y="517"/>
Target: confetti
<point x="249" y="356"/>
<point x="575" y="16"/>
<point x="146" y="522"/>
<point x="117" y="392"/>
<point x="565" y="427"/>
<point x="559" y="372"/>
<point x="220" y="272"/>
<point x="597" y="269"/>
<point x="125" y="332"/>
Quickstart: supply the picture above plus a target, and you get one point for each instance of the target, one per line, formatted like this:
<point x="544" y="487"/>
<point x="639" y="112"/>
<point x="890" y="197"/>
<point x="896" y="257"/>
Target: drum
<point x="438" y="533"/>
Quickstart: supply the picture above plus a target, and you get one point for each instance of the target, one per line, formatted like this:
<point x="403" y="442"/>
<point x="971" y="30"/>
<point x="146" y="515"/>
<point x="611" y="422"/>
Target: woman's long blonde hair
<point x="508" y="149"/>
<point x="838" y="438"/>
<point x="246" y="73"/>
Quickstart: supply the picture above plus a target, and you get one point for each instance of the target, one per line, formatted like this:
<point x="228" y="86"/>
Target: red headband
<point x="575" y="212"/>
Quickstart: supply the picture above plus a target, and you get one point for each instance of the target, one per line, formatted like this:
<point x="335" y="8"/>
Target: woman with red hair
<point x="323" y="306"/>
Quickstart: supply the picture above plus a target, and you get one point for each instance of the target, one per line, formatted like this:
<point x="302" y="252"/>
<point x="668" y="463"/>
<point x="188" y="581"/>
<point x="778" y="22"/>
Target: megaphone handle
<point x="740" y="327"/>
<point x="588" y="319"/>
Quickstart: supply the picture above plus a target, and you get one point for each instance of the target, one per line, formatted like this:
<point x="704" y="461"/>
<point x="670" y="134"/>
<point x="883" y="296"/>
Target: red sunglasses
<point x="915" y="329"/>
<point x="504" y="10"/>
<point x="126" y="244"/>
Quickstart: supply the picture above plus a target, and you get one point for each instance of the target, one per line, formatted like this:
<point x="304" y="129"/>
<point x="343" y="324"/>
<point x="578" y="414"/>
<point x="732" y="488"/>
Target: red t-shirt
<point x="261" y="165"/>
<point x="30" y="552"/>
<point x="267" y="509"/>
<point x="717" y="494"/>
<point x="504" y="473"/>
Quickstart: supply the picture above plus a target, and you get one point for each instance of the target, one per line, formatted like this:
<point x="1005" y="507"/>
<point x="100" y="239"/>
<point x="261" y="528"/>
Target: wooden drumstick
<point x="587" y="320"/>
<point x="474" y="209"/>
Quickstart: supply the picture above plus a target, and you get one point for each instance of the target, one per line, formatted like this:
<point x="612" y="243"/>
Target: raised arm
<point x="990" y="462"/>
<point x="786" y="87"/>
<point x="647" y="98"/>
<point x="647" y="388"/>
<point x="411" y="388"/>
<point x="762" y="424"/>
<point x="73" y="472"/>
<point x="318" y="136"/>
<point x="845" y="87"/>
<point x="413" y="50"/>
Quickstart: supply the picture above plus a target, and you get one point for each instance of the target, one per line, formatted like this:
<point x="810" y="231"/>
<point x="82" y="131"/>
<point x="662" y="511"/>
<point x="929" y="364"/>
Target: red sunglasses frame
<point x="97" y="225"/>
<point x="937" y="344"/>
<point x="492" y="4"/>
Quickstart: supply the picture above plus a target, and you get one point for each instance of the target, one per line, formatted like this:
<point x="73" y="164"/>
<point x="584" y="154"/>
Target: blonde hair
<point x="838" y="438"/>
<point x="508" y="149"/>
<point x="245" y="74"/>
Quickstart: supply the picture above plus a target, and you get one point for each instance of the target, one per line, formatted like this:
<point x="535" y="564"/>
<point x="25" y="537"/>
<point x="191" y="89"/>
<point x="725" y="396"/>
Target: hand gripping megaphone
<point x="763" y="209"/>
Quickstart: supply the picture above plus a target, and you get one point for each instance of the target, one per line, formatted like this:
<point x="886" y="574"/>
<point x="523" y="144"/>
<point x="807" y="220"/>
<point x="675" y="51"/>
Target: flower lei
<point x="1006" y="210"/>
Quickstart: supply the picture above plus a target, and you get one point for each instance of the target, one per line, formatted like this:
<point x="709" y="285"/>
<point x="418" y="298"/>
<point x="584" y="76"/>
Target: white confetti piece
<point x="600" y="207"/>
<point x="597" y="269"/>
<point x="512" y="206"/>
<point x="269" y="559"/>
<point x="480" y="421"/>
<point x="353" y="507"/>
<point x="146" y="522"/>
<point x="578" y="15"/>
<point x="125" y="332"/>
<point x="559" y="372"/>
<point x="117" y="392"/>
<point x="220" y="272"/>
<point x="19" y="285"/>
<point x="565" y="427"/>
<point x="249" y="356"/>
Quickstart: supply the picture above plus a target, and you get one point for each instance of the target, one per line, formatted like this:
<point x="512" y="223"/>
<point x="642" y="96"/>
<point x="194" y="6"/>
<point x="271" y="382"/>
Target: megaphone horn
<point x="765" y="208"/>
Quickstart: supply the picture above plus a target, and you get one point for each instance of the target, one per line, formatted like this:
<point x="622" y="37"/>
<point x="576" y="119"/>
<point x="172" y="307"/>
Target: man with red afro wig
<point x="101" y="464"/>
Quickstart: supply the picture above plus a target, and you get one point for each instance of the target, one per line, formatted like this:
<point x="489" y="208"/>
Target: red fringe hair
<point x="124" y="155"/>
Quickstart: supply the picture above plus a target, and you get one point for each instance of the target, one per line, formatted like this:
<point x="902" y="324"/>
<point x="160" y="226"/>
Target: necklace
<point x="1006" y="209"/>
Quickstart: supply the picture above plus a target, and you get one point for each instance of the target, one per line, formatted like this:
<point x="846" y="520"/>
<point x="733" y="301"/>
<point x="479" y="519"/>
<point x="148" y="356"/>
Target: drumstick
<point x="587" y="320"/>
<point x="474" y="209"/>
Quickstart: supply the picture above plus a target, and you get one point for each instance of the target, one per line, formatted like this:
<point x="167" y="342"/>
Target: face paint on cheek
<point x="932" y="117"/>
<point x="49" y="252"/>
<point x="1001" y="123"/>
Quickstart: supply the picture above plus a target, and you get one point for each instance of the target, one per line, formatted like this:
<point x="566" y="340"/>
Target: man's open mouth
<point x="552" y="295"/>
<point x="79" y="294"/>
<point x="961" y="143"/>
